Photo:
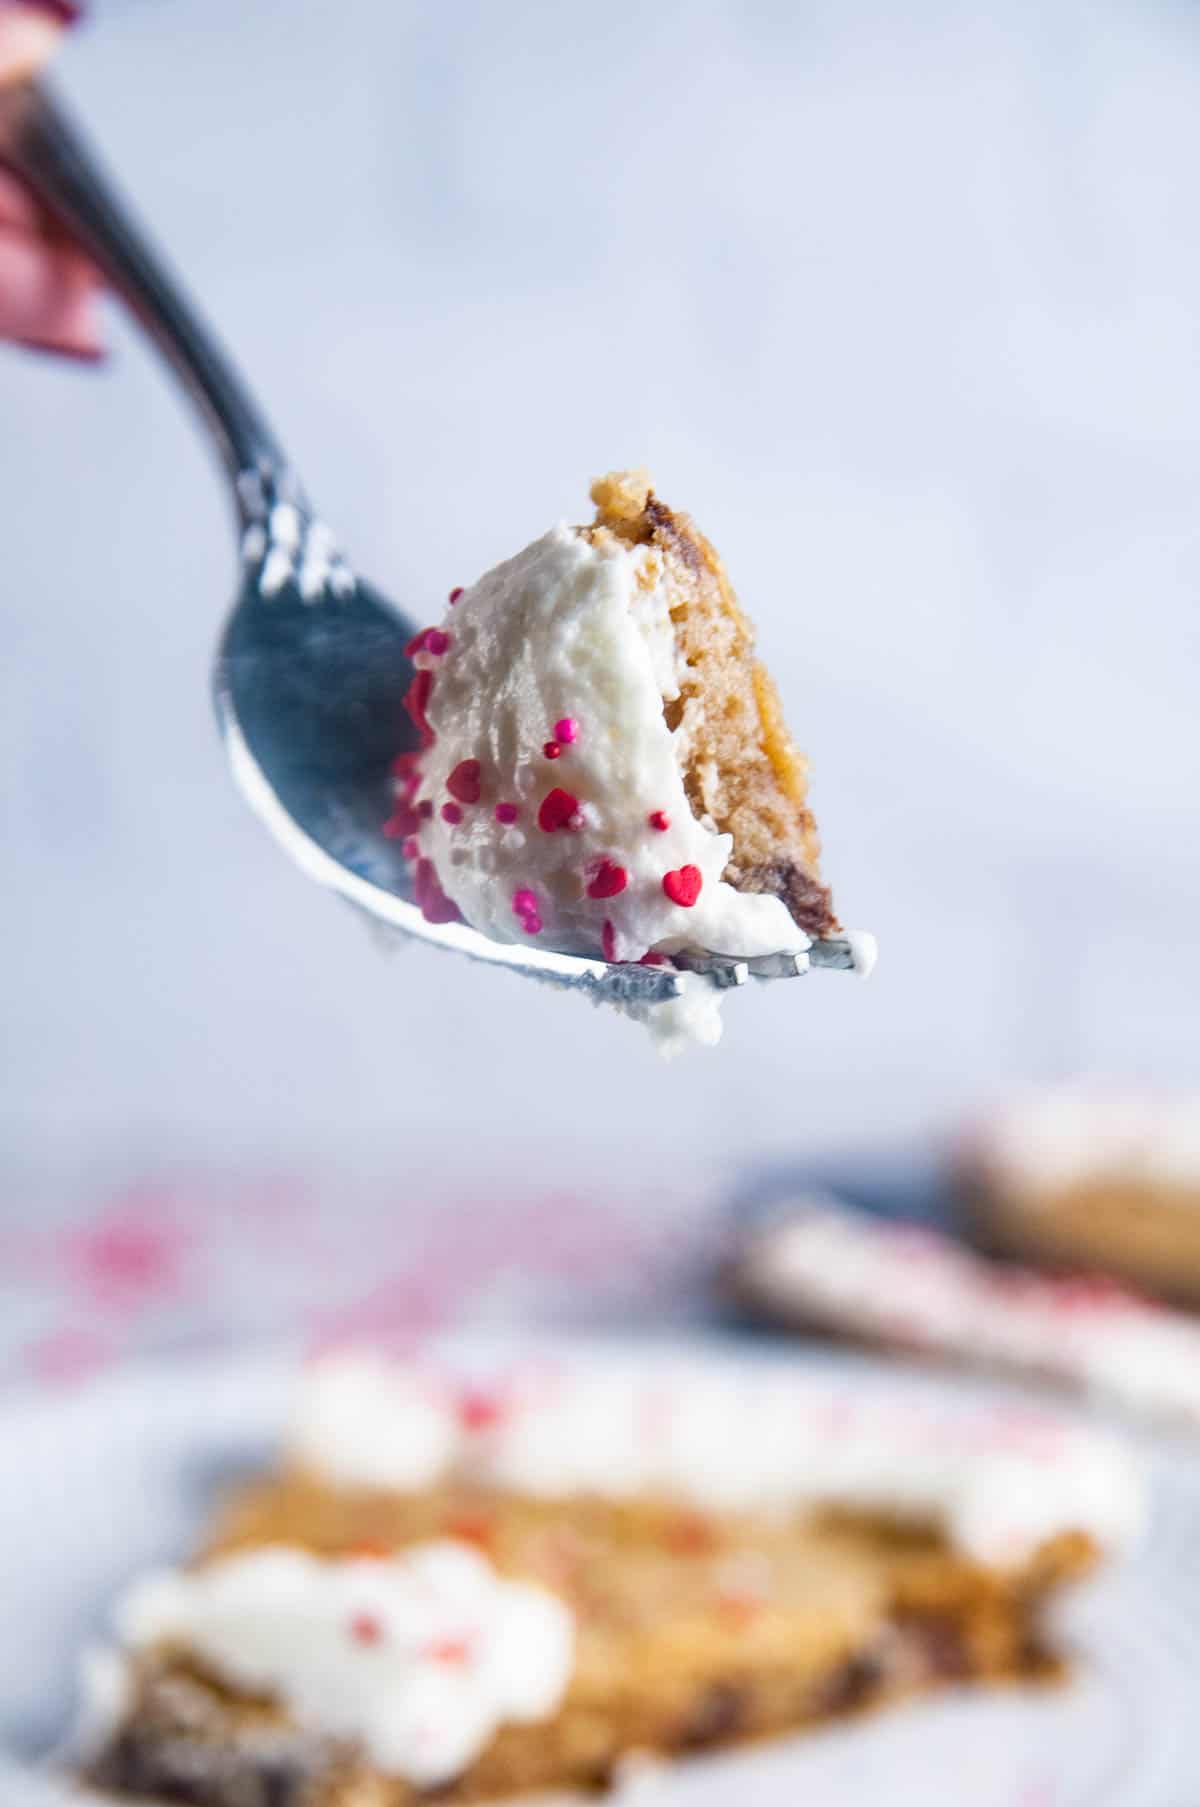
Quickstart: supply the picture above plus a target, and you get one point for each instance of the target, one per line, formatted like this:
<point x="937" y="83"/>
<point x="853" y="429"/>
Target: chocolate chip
<point x="851" y="1686"/>
<point x="942" y="1648"/>
<point x="719" y="1714"/>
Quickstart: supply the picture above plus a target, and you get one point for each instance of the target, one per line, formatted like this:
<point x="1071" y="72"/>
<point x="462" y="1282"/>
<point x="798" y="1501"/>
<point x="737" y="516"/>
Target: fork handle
<point x="39" y="143"/>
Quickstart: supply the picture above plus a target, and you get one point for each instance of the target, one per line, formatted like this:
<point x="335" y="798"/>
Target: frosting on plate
<point x="999" y="1481"/>
<point x="417" y="1658"/>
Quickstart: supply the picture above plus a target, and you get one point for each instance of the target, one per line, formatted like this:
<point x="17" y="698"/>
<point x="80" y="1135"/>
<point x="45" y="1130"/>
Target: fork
<point x="311" y="664"/>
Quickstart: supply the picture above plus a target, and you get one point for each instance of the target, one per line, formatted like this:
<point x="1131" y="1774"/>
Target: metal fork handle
<point x="39" y="143"/>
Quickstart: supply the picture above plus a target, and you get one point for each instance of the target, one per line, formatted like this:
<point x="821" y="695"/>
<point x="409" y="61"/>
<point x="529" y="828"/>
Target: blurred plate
<point x="96" y="1484"/>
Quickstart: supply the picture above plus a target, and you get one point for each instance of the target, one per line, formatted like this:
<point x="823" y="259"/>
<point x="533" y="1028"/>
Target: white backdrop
<point x="901" y="303"/>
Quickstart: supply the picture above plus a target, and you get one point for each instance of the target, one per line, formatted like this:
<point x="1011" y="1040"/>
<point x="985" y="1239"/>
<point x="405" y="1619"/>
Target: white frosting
<point x="1091" y="1130"/>
<point x="864" y="951"/>
<point x="917" y="1287"/>
<point x="565" y="630"/>
<point x="347" y="1397"/>
<point x="689" y="1020"/>
<point x="723" y="1437"/>
<point x="417" y="1659"/>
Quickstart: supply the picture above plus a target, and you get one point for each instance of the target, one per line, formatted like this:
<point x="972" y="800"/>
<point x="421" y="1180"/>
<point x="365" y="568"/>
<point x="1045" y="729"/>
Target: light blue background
<point x="900" y="302"/>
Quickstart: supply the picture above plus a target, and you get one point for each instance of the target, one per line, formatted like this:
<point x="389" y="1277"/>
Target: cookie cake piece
<point x="474" y="1593"/>
<point x="604" y="768"/>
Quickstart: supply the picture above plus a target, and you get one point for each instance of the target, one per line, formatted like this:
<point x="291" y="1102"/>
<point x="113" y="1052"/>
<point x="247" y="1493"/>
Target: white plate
<point x="96" y="1484"/>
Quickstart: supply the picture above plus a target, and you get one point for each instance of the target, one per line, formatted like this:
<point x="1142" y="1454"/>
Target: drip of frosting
<point x="997" y="1483"/>
<point x="416" y="1659"/>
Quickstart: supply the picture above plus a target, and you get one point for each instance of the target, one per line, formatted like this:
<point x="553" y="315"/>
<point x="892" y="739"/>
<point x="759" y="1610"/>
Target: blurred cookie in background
<point x="1092" y="1175"/>
<point x="821" y="1266"/>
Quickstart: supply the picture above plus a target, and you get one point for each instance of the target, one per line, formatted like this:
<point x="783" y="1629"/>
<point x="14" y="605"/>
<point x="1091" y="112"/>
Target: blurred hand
<point x="47" y="286"/>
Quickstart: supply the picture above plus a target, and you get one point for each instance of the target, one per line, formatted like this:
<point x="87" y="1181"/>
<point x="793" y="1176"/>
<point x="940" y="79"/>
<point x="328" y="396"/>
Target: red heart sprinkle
<point x="659" y="820"/>
<point x="404" y="822"/>
<point x="607" y="879"/>
<point x="463" y="781"/>
<point x="557" y="808"/>
<point x="416" y="701"/>
<point x="471" y="1527"/>
<point x="684" y="886"/>
<point x="479" y="1410"/>
<point x="551" y="749"/>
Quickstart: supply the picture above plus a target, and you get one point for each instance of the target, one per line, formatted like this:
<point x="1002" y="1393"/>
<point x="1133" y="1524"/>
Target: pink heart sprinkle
<point x="556" y="810"/>
<point x="607" y="879"/>
<point x="464" y="781"/>
<point x="683" y="886"/>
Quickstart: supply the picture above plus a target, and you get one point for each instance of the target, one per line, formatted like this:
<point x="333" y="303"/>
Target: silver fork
<point x="311" y="666"/>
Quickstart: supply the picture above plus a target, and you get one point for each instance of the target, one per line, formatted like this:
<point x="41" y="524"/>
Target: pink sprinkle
<point x="532" y="924"/>
<point x="551" y="749"/>
<point x="606" y="879"/>
<point x="449" y="1650"/>
<point x="684" y="885"/>
<point x="525" y="903"/>
<point x="416" y="701"/>
<point x="437" y="641"/>
<point x="431" y="900"/>
<point x="659" y="820"/>
<point x="608" y="941"/>
<point x="451" y="813"/>
<point x="365" y="1628"/>
<point x="411" y="848"/>
<point x="566" y="730"/>
<point x="454" y="595"/>
<point x="464" y="781"/>
<point x="558" y="809"/>
<point x="506" y="812"/>
<point x="480" y="1409"/>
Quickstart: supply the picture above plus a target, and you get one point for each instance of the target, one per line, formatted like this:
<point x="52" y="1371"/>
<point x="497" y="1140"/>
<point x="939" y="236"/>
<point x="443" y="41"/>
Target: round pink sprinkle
<point x="525" y="903"/>
<point x="437" y="641"/>
<point x="660" y="820"/>
<point x="506" y="812"/>
<point x="532" y="924"/>
<point x="451" y="813"/>
<point x="454" y="595"/>
<point x="566" y="730"/>
<point x="411" y="848"/>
